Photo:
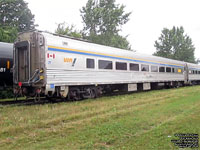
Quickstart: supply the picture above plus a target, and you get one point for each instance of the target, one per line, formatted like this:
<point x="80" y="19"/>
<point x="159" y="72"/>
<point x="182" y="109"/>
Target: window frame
<point x="90" y="60"/>
<point x="132" y="67"/>
<point x="144" y="65"/>
<point x="117" y="63"/>
<point x="168" y="71"/>
<point x="173" y="70"/>
<point x="161" y="70"/>
<point x="103" y="60"/>
<point x="155" y="67"/>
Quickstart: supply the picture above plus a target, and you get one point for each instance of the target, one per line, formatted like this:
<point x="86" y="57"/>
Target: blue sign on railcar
<point x="52" y="86"/>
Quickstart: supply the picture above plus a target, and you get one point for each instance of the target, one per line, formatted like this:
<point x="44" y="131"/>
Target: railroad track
<point x="30" y="102"/>
<point x="44" y="100"/>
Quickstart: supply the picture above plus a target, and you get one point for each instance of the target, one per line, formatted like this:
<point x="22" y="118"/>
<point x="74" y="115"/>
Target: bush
<point x="8" y="93"/>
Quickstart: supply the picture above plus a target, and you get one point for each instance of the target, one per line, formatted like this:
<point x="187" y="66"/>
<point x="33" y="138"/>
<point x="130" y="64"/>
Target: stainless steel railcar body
<point x="193" y="73"/>
<point x="50" y="64"/>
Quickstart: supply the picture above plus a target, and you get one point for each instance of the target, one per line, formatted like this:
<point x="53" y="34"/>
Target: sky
<point x="147" y="20"/>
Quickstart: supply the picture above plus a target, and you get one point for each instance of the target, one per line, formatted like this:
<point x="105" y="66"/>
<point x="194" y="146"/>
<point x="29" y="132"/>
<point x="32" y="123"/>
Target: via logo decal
<point x="70" y="60"/>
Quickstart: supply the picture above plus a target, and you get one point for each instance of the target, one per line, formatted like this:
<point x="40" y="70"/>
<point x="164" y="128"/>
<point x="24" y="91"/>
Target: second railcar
<point x="6" y="63"/>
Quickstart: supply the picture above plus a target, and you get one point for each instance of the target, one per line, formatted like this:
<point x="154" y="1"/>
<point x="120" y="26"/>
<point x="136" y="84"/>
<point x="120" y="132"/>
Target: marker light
<point x="20" y="84"/>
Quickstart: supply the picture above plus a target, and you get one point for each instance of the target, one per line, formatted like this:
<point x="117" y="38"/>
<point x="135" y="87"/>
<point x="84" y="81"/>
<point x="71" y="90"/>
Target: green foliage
<point x="8" y="34"/>
<point x="103" y="20"/>
<point x="15" y="13"/>
<point x="110" y="40"/>
<point x="64" y="29"/>
<point x="6" y="93"/>
<point x="15" y="16"/>
<point x="175" y="44"/>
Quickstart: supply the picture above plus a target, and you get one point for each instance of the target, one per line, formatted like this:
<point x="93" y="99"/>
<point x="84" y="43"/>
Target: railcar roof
<point x="96" y="48"/>
<point x="116" y="51"/>
<point x="191" y="65"/>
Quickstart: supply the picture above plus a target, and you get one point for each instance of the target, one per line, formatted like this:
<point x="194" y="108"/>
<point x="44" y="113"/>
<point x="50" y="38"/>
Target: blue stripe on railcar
<point x="105" y="56"/>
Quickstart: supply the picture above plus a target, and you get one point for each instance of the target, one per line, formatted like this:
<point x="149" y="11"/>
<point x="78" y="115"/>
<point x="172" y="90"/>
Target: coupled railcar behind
<point x="193" y="73"/>
<point x="53" y="65"/>
<point x="6" y="62"/>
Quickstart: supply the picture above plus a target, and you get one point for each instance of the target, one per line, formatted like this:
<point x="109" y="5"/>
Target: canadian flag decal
<point x="51" y="56"/>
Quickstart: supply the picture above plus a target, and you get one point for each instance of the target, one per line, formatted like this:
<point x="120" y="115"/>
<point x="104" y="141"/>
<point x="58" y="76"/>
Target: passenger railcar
<point x="6" y="62"/>
<point x="193" y="73"/>
<point x="53" y="65"/>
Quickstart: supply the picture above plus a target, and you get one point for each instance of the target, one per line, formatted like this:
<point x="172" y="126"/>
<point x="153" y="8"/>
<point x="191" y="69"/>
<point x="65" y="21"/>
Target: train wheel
<point x="74" y="94"/>
<point x="37" y="98"/>
<point x="93" y="93"/>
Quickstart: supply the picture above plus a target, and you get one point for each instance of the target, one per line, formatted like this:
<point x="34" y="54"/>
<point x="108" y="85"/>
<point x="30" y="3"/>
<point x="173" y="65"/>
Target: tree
<point x="103" y="20"/>
<point x="110" y="40"/>
<point x="16" y="14"/>
<point x="68" y="30"/>
<point x="175" y="44"/>
<point x="8" y="34"/>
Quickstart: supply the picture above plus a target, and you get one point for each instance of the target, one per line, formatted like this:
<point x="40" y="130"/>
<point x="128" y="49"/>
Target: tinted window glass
<point x="121" y="66"/>
<point x="154" y="68"/>
<point x="144" y="67"/>
<point x="134" y="67"/>
<point x="90" y="63"/>
<point x="173" y="70"/>
<point x="161" y="69"/>
<point x="104" y="64"/>
<point x="168" y="69"/>
<point x="198" y="72"/>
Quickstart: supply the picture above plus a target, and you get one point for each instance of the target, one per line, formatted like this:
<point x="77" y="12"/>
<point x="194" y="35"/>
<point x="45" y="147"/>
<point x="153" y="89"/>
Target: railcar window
<point x="161" y="69"/>
<point x="168" y="69"/>
<point x="144" y="67"/>
<point x="121" y="66"/>
<point x="134" y="67"/>
<point x="105" y="64"/>
<point x="154" y="68"/>
<point x="198" y="72"/>
<point x="195" y="71"/>
<point x="90" y="63"/>
<point x="173" y="70"/>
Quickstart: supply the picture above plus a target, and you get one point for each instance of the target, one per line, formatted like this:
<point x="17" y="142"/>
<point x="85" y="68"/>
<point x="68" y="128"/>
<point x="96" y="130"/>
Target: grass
<point x="146" y="120"/>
